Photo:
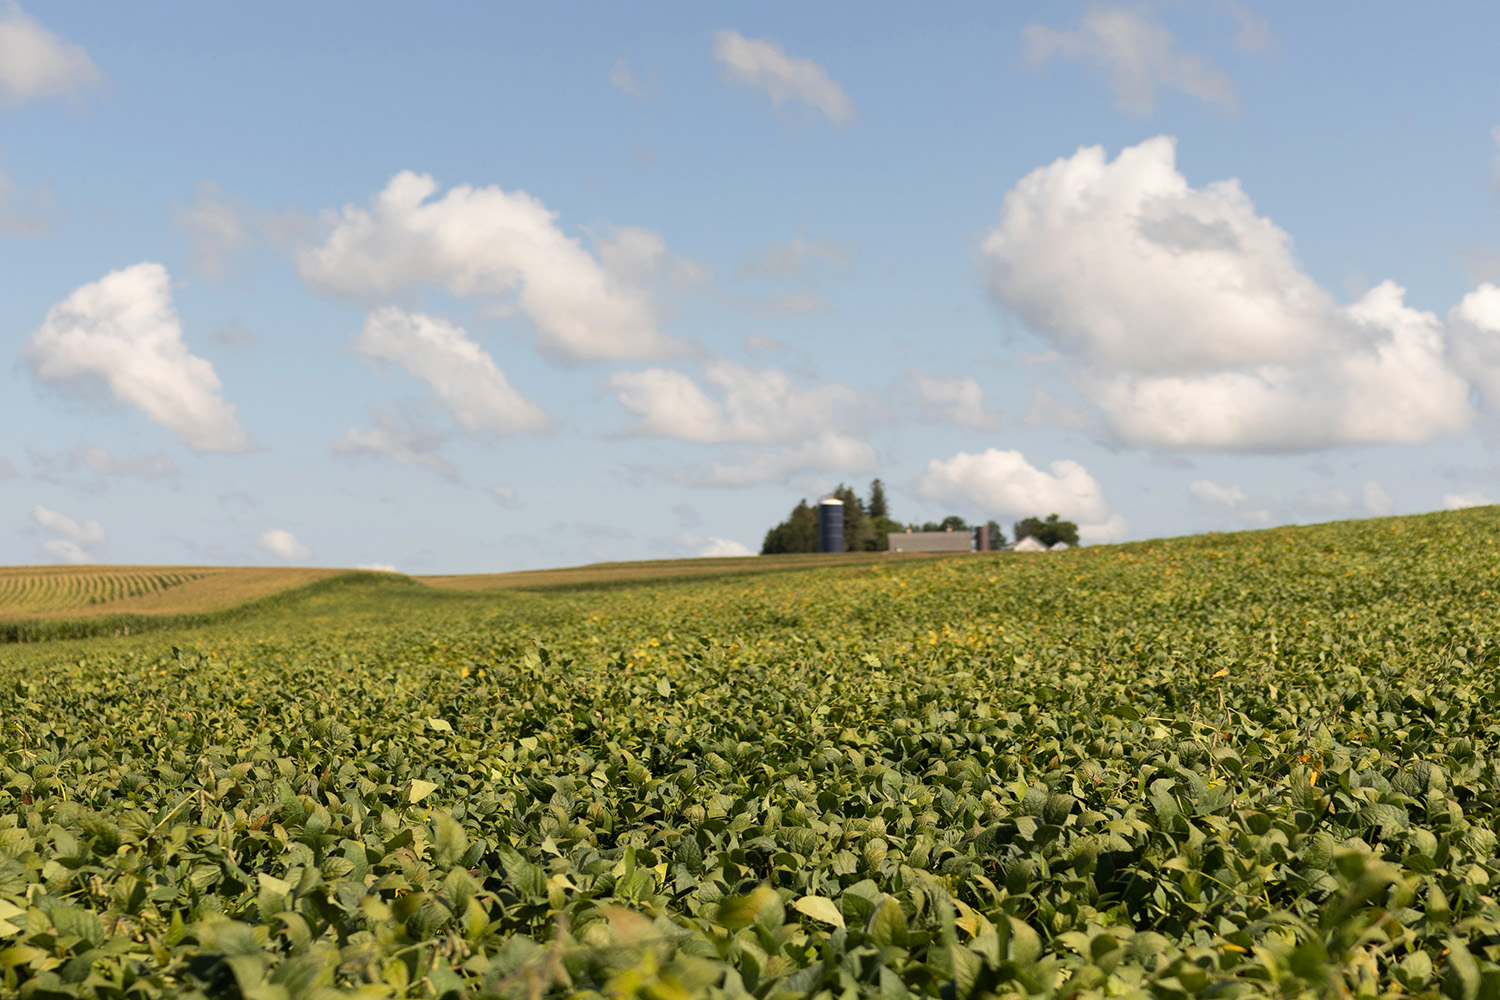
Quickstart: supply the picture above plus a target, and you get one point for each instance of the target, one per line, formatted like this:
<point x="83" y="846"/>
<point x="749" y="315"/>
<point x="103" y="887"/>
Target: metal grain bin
<point x="831" y="525"/>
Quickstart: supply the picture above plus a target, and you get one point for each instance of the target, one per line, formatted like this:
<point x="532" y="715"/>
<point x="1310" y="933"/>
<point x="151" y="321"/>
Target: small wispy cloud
<point x="622" y="77"/>
<point x="74" y="540"/>
<point x="1138" y="55"/>
<point x="763" y="65"/>
<point x="283" y="544"/>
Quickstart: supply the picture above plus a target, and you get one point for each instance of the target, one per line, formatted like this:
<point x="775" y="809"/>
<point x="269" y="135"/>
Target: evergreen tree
<point x="798" y="533"/>
<point x="880" y="517"/>
<point x="866" y="526"/>
<point x="859" y="533"/>
<point x="877" y="508"/>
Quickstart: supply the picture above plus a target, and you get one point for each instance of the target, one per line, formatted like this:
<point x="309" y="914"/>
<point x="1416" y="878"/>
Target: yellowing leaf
<point x="820" y="908"/>
<point x="420" y="790"/>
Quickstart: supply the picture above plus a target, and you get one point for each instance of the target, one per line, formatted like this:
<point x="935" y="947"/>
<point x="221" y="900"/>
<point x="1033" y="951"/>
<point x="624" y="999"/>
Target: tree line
<point x="868" y="524"/>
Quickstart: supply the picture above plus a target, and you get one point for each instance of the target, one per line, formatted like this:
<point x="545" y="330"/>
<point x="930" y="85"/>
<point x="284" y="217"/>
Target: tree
<point x="1048" y="532"/>
<point x="880" y="517"/>
<point x="997" y="534"/>
<point x="798" y="533"/>
<point x="952" y="522"/>
<point x="866" y="526"/>
<point x="877" y="508"/>
<point x="859" y="533"/>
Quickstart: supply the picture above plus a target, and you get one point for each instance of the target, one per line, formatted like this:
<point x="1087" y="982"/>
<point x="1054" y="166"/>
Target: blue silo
<point x="831" y="525"/>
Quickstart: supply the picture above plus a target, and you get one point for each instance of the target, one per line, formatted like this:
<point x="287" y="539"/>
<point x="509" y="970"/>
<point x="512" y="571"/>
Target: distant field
<point x="58" y="591"/>
<point x="598" y="575"/>
<point x="46" y="592"/>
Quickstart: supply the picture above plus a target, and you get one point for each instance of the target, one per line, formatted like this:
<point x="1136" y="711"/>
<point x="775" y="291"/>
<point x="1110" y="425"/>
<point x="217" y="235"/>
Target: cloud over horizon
<point x="1000" y="483"/>
<point x="282" y="544"/>
<point x="74" y="539"/>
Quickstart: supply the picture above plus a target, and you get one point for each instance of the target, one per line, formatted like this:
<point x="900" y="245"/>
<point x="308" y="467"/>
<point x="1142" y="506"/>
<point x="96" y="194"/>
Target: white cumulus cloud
<point x="763" y="65"/>
<point x="73" y="539"/>
<point x="466" y="379"/>
<point x="749" y="405"/>
<point x="1475" y="322"/>
<point x="485" y="241"/>
<point x="1194" y="324"/>
<point x="957" y="401"/>
<point x="282" y="544"/>
<point x="999" y="483"/>
<point x="123" y="330"/>
<point x="1395" y="388"/>
<point x="34" y="62"/>
<point x="1138" y="55"/>
<point x="1124" y="263"/>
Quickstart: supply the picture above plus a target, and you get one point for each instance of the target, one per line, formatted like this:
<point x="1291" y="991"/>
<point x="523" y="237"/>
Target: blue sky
<point x="481" y="287"/>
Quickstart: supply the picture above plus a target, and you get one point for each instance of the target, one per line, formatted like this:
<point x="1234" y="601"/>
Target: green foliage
<point x="1226" y="766"/>
<point x="863" y="532"/>
<point x="950" y="523"/>
<point x="1049" y="532"/>
<point x="859" y="532"/>
<point x="798" y="533"/>
<point x="884" y="527"/>
<point x="877" y="508"/>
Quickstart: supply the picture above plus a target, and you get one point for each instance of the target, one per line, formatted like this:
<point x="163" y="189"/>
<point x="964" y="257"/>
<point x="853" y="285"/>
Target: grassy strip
<point x="620" y="575"/>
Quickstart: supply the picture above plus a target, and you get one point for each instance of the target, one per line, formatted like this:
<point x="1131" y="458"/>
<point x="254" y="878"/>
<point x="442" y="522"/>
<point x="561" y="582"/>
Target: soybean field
<point x="1261" y="764"/>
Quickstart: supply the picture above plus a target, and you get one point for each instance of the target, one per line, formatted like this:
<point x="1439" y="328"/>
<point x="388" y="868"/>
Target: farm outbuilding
<point x="1028" y="544"/>
<point x="930" y="541"/>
